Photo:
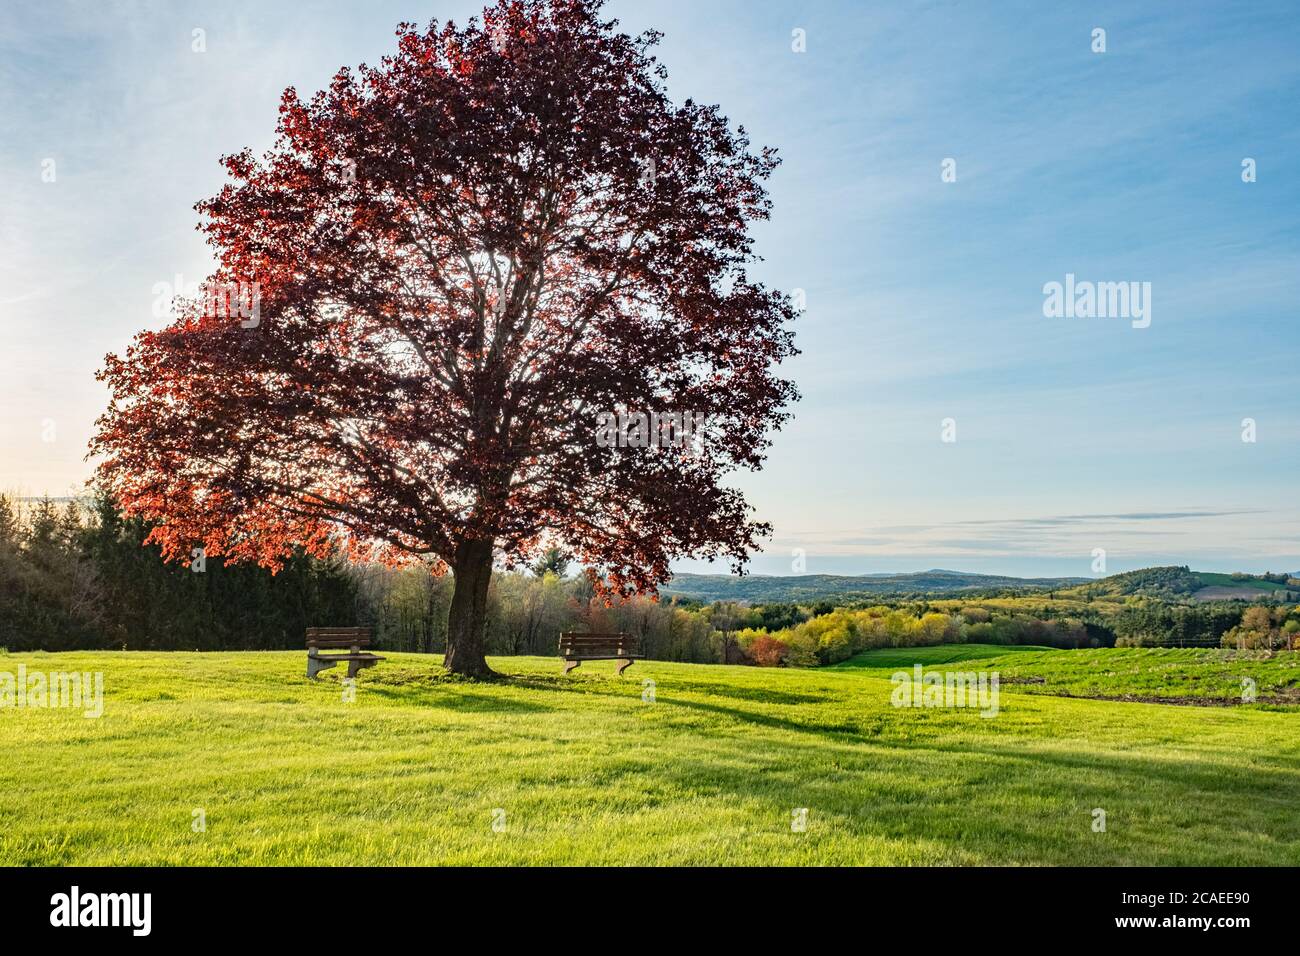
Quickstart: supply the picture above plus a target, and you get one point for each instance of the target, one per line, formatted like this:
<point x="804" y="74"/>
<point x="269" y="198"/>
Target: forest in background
<point x="77" y="575"/>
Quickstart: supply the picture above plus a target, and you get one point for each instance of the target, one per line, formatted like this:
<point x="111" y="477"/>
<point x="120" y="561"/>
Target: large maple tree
<point x="461" y="258"/>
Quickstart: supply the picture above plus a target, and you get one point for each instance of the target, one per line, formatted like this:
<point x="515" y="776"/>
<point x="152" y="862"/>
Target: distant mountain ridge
<point x="759" y="589"/>
<point x="1170" y="583"/>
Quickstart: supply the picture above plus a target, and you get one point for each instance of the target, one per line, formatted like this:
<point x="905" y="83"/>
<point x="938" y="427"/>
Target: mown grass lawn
<point x="1184" y="675"/>
<point x="585" y="770"/>
<point x="1215" y="579"/>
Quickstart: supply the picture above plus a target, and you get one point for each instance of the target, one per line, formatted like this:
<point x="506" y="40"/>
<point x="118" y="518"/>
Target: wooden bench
<point x="576" y="648"/>
<point x="350" y="640"/>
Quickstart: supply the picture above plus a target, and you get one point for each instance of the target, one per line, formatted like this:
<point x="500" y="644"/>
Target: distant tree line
<point x="79" y="576"/>
<point x="73" y="577"/>
<point x="840" y="633"/>
<point x="1152" y="623"/>
<point x="1265" y="628"/>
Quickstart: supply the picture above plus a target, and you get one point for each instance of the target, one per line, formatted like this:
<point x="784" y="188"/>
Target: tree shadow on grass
<point x="585" y="684"/>
<point x="448" y="698"/>
<point x="757" y="695"/>
<point x="848" y="728"/>
<point x="608" y="686"/>
<point x="1008" y="804"/>
<point x="416" y="688"/>
<point x="596" y="687"/>
<point x="869" y="728"/>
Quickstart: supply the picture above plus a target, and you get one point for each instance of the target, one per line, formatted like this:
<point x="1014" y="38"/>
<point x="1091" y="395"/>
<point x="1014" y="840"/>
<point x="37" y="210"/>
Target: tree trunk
<point x="467" y="618"/>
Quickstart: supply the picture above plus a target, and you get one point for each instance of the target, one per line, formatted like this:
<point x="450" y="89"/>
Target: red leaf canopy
<point x="464" y="255"/>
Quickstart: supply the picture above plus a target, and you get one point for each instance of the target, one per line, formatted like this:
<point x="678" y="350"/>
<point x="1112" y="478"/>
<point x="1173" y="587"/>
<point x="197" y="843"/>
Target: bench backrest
<point x="331" y="637"/>
<point x="577" y="645"/>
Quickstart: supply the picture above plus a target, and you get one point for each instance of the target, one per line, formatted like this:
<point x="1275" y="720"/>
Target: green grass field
<point x="584" y="770"/>
<point x="1149" y="674"/>
<point x="1215" y="579"/>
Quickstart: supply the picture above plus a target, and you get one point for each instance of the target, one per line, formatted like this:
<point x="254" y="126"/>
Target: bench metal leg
<point x="623" y="664"/>
<point x="355" y="666"/>
<point x="570" y="665"/>
<point x="317" y="664"/>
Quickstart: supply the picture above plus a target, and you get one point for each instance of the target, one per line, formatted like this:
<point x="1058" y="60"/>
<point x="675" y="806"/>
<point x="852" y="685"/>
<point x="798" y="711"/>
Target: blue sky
<point x="924" y="297"/>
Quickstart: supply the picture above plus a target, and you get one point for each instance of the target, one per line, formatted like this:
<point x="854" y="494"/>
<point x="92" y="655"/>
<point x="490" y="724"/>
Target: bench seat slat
<point x="577" y="647"/>
<point x="338" y="638"/>
<point x="595" y="647"/>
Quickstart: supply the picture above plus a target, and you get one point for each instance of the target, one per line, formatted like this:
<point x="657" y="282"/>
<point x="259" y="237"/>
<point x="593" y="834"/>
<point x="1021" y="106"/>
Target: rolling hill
<point x="1172" y="583"/>
<point x="761" y="589"/>
<point x="1181" y="583"/>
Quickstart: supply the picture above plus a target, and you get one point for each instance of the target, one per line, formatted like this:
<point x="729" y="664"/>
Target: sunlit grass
<point x="1187" y="675"/>
<point x="586" y="769"/>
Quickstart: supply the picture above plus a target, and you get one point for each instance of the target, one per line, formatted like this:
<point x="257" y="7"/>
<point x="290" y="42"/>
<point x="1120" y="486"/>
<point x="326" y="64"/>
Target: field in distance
<point x="707" y="764"/>
<point x="1205" y="676"/>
